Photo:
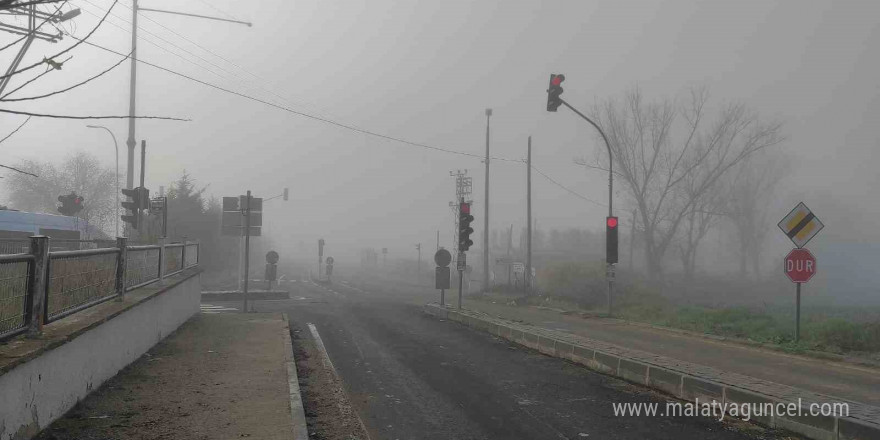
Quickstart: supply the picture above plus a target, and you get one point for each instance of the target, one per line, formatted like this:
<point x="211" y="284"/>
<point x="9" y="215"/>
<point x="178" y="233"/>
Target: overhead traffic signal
<point x="464" y="226"/>
<point x="554" y="92"/>
<point x="132" y="206"/>
<point x="70" y="204"/>
<point x="611" y="240"/>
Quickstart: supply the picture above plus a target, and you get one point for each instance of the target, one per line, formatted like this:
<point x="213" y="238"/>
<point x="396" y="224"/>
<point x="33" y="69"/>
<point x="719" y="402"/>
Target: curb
<point x="686" y="381"/>
<point x="297" y="413"/>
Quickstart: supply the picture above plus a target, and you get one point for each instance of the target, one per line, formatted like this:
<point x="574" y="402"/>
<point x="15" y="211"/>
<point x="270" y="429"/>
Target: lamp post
<point x="116" y="145"/>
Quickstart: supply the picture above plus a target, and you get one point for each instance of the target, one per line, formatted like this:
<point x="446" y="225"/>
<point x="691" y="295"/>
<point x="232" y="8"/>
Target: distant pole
<point x="438" y="240"/>
<point x="486" y="211"/>
<point x="528" y="275"/>
<point x="419" y="266"/>
<point x="509" y="245"/>
<point x="247" y="247"/>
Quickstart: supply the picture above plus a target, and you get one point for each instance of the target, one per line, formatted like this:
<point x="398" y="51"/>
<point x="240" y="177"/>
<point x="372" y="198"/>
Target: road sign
<point x="519" y="268"/>
<point x="256" y="203"/>
<point x="238" y="231"/>
<point x="230" y="204"/>
<point x="271" y="257"/>
<point x="441" y="277"/>
<point x="799" y="265"/>
<point x="384" y="250"/>
<point x="157" y="205"/>
<point x="235" y="219"/>
<point x="800" y="225"/>
<point x="461" y="264"/>
<point x="504" y="260"/>
<point x="442" y="257"/>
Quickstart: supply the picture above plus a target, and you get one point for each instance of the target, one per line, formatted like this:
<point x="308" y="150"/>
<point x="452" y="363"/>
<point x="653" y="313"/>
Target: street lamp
<point x="116" y="145"/>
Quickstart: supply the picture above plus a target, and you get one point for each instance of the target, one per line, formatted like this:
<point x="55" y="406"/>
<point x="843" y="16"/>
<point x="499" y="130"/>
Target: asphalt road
<point x="410" y="376"/>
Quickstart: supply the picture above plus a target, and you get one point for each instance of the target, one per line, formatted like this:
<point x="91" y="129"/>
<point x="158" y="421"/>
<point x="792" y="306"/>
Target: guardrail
<point x="42" y="286"/>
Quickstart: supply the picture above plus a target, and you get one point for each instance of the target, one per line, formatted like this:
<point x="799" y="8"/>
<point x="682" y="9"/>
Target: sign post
<point x="441" y="273"/>
<point x="800" y="226"/>
<point x="461" y="265"/>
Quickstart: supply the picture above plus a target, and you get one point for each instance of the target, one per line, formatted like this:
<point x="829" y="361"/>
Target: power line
<point x="566" y="188"/>
<point x="244" y="81"/>
<point x="31" y="98"/>
<point x="79" y="41"/>
<point x="299" y="113"/>
<point x="18" y="170"/>
<point x="44" y="115"/>
<point x="188" y="60"/>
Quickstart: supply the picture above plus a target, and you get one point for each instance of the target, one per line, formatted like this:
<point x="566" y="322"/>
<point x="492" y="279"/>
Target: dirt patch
<point x="329" y="413"/>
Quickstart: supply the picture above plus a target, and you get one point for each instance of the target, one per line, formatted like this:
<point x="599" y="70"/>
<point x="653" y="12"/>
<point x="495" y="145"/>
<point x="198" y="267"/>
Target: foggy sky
<point x="426" y="70"/>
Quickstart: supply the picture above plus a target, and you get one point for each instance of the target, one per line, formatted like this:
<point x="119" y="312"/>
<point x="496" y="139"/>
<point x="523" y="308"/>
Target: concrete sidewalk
<point x="219" y="376"/>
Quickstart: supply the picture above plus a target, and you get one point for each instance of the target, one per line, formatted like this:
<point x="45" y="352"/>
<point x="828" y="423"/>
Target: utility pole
<point x="438" y="241"/>
<point x="486" y="212"/>
<point x="419" y="267"/>
<point x="528" y="275"/>
<point x="132" y="95"/>
<point x="509" y="245"/>
<point x="132" y="88"/>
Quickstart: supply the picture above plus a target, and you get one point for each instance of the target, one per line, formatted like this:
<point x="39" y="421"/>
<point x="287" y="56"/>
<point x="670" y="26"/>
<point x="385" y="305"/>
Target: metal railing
<point x="45" y="285"/>
<point x="142" y="266"/>
<point x="174" y="253"/>
<point x="80" y="279"/>
<point x="14" y="276"/>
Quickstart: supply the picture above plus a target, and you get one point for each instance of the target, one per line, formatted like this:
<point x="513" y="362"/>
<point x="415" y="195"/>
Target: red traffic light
<point x="77" y="201"/>
<point x="557" y="79"/>
<point x="611" y="222"/>
<point x="464" y="208"/>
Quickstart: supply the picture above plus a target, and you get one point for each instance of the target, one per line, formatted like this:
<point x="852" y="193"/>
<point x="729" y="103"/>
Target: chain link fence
<point x="174" y="258"/>
<point x="192" y="254"/>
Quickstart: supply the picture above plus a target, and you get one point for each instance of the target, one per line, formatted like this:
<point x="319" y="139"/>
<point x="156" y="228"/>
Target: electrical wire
<point x="551" y="180"/>
<point x="44" y="115"/>
<point x="79" y="41"/>
<point x="31" y="98"/>
<point x="15" y="131"/>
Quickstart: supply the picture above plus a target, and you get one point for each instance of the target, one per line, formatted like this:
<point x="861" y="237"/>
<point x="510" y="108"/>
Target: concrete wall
<point x="42" y="389"/>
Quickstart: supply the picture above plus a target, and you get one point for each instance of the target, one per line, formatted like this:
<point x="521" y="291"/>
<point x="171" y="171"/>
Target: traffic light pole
<point x="486" y="212"/>
<point x="528" y="274"/>
<point x="247" y="248"/>
<point x="610" y="267"/>
<point x="143" y="168"/>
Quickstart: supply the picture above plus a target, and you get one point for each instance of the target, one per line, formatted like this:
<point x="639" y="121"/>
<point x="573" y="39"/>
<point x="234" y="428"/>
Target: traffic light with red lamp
<point x="611" y="240"/>
<point x="70" y="204"/>
<point x="554" y="92"/>
<point x="464" y="226"/>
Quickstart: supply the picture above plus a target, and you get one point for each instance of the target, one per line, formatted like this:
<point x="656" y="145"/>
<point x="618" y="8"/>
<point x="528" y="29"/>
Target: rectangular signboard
<point x="256" y="203"/>
<point x="441" y="278"/>
<point x="235" y="219"/>
<point x="238" y="231"/>
<point x="230" y="204"/>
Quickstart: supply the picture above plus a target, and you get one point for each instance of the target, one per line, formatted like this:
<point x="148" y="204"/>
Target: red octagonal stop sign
<point x="800" y="265"/>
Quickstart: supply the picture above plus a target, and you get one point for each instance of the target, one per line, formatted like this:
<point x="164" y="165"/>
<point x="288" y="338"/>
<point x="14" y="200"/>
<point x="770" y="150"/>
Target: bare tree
<point x="749" y="190"/>
<point x="80" y="172"/>
<point x="670" y="153"/>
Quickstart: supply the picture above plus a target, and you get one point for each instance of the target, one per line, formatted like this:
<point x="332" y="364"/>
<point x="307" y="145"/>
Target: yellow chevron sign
<point x="800" y="225"/>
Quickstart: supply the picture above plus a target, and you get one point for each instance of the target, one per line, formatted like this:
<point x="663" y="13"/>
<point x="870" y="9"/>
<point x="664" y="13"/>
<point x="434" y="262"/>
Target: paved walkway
<point x="849" y="382"/>
<point x="220" y="376"/>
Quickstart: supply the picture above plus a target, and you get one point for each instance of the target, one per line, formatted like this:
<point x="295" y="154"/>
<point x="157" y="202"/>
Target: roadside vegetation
<point x="580" y="288"/>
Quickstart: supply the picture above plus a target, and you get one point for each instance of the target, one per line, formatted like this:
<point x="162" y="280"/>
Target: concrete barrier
<point x="41" y="379"/>
<point x="683" y="380"/>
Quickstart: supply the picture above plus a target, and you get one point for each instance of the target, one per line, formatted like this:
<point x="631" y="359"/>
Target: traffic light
<point x="70" y="204"/>
<point x="285" y="194"/>
<point x="132" y="205"/>
<point x="554" y="91"/>
<point x="464" y="226"/>
<point x="611" y="240"/>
